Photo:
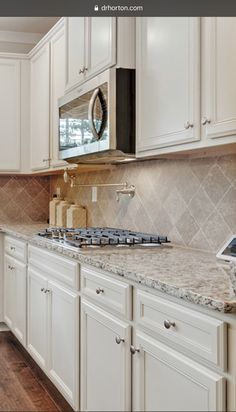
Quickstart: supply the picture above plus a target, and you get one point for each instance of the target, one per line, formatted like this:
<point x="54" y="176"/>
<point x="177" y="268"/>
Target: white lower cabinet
<point x="165" y="380"/>
<point x="105" y="361"/>
<point x="53" y="332"/>
<point x="37" y="317"/>
<point x="15" y="297"/>
<point x="64" y="340"/>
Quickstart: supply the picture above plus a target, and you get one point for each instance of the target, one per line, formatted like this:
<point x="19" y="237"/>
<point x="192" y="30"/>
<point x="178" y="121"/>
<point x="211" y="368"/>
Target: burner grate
<point x="95" y="236"/>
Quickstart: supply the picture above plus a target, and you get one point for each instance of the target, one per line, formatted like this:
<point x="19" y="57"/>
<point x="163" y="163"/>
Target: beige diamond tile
<point x="228" y="166"/>
<point x="215" y="230"/>
<point x="200" y="167"/>
<point x="227" y="208"/>
<point x="162" y="222"/>
<point x="174" y="205"/>
<point x="201" y="206"/>
<point x="200" y="241"/>
<point x="187" y="226"/>
<point x="186" y="182"/>
<point x="216" y="184"/>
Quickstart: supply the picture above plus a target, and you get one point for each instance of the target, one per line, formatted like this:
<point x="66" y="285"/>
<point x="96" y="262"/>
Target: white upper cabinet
<point x="186" y="89"/>
<point x="40" y="106"/>
<point x="10" y="104"/>
<point x="90" y="47"/>
<point x="94" y="44"/>
<point x="101" y="44"/>
<point x="168" y="81"/>
<point x="219" y="77"/>
<point x="75" y="50"/>
<point x="57" y="86"/>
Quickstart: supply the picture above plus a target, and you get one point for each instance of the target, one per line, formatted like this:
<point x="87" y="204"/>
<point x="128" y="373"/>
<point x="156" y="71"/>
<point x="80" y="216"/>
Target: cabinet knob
<point x="118" y="339"/>
<point x="84" y="69"/>
<point x="168" y="324"/>
<point x="188" y="125"/>
<point x="133" y="350"/>
<point x="47" y="291"/>
<point x="11" y="267"/>
<point x="12" y="248"/>
<point x="47" y="160"/>
<point x="99" y="291"/>
<point x="42" y="289"/>
<point x="205" y="120"/>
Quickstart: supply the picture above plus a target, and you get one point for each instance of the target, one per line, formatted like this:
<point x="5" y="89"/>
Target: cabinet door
<point x="9" y="292"/>
<point x="39" y="131"/>
<point x="165" y="380"/>
<point x="64" y="341"/>
<point x="19" y="325"/>
<point x="75" y="59"/>
<point x="57" y="90"/>
<point x="219" y="85"/>
<point x="168" y="81"/>
<point x="37" y="317"/>
<point x="100" y="44"/>
<point x="10" y="159"/>
<point x="105" y="364"/>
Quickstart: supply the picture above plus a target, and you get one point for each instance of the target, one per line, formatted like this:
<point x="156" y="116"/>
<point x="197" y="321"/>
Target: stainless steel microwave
<point x="97" y="120"/>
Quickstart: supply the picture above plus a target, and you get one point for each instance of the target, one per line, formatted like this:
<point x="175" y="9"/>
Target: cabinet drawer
<point x="199" y="333"/>
<point x="108" y="292"/>
<point x="57" y="267"/>
<point x="16" y="248"/>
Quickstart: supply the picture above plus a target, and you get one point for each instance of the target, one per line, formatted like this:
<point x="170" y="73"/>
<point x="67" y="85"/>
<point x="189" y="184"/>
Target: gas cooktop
<point x="96" y="236"/>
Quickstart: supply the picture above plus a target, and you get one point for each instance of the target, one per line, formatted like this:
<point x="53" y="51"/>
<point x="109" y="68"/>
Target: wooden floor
<point x="23" y="386"/>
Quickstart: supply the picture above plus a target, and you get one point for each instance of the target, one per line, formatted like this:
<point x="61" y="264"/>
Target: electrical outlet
<point x="94" y="194"/>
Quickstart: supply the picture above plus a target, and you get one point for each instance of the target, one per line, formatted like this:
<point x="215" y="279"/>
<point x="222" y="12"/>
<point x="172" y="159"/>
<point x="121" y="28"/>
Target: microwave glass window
<point x="74" y="126"/>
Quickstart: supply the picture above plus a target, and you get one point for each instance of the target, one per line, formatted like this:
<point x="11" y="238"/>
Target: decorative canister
<point x="61" y="210"/>
<point x="76" y="216"/>
<point x="53" y="210"/>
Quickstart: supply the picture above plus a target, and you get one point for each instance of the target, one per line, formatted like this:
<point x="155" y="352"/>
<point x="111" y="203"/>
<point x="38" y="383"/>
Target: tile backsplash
<point x="24" y="199"/>
<point x="191" y="201"/>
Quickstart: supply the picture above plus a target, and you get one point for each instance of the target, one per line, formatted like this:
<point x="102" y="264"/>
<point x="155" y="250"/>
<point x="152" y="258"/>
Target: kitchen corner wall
<point x="191" y="201"/>
<point x="24" y="199"/>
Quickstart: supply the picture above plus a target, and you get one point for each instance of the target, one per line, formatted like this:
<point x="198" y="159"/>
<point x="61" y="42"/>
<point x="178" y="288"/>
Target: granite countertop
<point x="188" y="274"/>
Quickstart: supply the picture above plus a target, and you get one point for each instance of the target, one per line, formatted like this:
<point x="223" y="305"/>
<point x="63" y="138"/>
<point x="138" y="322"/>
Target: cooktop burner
<point x="96" y="236"/>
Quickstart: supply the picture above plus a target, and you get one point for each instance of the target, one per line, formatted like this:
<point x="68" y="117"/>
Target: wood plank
<point x="23" y="385"/>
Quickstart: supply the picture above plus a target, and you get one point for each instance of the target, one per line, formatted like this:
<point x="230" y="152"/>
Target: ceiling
<point x="27" y="24"/>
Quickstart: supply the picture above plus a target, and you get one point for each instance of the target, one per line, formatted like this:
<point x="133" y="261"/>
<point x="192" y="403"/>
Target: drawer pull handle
<point x="133" y="350"/>
<point x="47" y="291"/>
<point x="168" y="324"/>
<point x="99" y="291"/>
<point x="118" y="339"/>
<point x="12" y="248"/>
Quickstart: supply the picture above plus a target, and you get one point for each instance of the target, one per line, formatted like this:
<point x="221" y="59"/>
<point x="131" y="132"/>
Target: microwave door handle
<point x="97" y="93"/>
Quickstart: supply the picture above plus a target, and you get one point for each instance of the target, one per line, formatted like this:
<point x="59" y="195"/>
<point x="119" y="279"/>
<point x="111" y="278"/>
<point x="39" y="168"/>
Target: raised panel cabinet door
<point x="10" y="158"/>
<point x="101" y="44"/>
<point x="105" y="361"/>
<point x="64" y="341"/>
<point x="165" y="380"/>
<point x="167" y="82"/>
<point x="19" y="325"/>
<point x="218" y="70"/>
<point x="58" y="64"/>
<point x="37" y="334"/>
<point x="75" y="50"/>
<point x="9" y="292"/>
<point x="40" y="106"/>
